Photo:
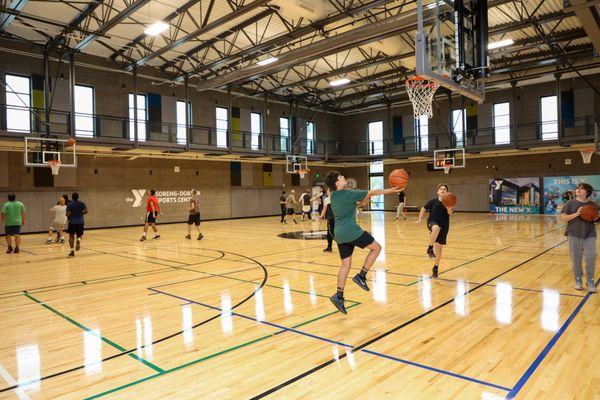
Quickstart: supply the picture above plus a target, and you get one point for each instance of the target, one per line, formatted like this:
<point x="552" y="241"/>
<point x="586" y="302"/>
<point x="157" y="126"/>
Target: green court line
<point x="208" y="357"/>
<point x="86" y="329"/>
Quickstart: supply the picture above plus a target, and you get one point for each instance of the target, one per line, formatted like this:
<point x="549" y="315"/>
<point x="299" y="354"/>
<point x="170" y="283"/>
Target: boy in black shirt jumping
<point x="438" y="224"/>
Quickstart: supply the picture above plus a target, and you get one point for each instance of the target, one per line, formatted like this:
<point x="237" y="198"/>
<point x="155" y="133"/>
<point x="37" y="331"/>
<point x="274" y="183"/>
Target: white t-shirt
<point x="326" y="201"/>
<point x="60" y="214"/>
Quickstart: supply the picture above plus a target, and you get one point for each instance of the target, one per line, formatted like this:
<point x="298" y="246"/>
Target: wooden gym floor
<point x="245" y="314"/>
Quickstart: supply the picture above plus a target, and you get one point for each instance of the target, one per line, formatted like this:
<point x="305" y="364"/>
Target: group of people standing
<point x="308" y="203"/>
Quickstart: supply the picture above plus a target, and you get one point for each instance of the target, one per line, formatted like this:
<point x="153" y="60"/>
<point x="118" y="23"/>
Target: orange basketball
<point x="70" y="141"/>
<point x="449" y="199"/>
<point x="398" y="178"/>
<point x="589" y="213"/>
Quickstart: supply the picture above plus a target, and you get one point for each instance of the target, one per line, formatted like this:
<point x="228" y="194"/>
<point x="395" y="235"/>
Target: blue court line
<point x="440" y="371"/>
<point x="536" y="363"/>
<point x="286" y="329"/>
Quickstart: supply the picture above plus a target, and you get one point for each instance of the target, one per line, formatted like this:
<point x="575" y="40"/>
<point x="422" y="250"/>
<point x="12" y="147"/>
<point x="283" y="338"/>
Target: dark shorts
<point x="12" y="230"/>
<point x="346" y="249"/>
<point x="290" y="211"/>
<point x="150" y="218"/>
<point x="194" y="219"/>
<point x="441" y="239"/>
<point x="75" y="229"/>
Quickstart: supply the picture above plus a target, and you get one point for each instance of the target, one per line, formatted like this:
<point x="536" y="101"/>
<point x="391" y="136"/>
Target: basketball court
<point x="238" y="108"/>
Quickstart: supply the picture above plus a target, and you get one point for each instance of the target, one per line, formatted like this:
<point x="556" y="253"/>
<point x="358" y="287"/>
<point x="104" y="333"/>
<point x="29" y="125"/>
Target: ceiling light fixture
<point x="339" y="82"/>
<point x="502" y="43"/>
<point x="268" y="61"/>
<point x="156" y="28"/>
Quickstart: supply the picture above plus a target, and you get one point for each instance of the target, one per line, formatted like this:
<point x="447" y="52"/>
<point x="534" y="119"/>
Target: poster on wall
<point x="515" y="195"/>
<point x="560" y="189"/>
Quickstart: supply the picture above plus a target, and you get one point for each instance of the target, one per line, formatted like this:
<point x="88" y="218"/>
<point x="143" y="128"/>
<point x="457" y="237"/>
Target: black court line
<point x="259" y="287"/>
<point x="393" y="330"/>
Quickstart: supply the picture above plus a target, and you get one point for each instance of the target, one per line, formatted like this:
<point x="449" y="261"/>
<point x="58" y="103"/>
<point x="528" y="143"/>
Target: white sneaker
<point x="49" y="240"/>
<point x="578" y="284"/>
<point x="591" y="285"/>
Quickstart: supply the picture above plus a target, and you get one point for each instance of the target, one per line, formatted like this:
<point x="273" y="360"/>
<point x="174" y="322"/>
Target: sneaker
<point x="156" y="237"/>
<point x="49" y="240"/>
<point x="142" y="238"/>
<point x="71" y="253"/>
<point x="327" y="250"/>
<point x="578" y="284"/>
<point x="9" y="250"/>
<point x="591" y="285"/>
<point x="78" y="244"/>
<point x="200" y="236"/>
<point x="430" y="252"/>
<point x="434" y="271"/>
<point x="188" y="236"/>
<point x="16" y="250"/>
<point x="338" y="303"/>
<point x="360" y="282"/>
<point x="61" y="240"/>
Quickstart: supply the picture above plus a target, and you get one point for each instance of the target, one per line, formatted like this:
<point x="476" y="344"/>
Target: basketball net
<point x="447" y="169"/>
<point x="587" y="154"/>
<point x="302" y="173"/>
<point x="55" y="166"/>
<point x="420" y="92"/>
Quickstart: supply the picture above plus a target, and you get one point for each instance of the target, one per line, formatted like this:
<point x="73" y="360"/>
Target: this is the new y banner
<point x="560" y="189"/>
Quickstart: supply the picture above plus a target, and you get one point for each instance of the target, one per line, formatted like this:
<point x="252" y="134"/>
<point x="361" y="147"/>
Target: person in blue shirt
<point x="75" y="212"/>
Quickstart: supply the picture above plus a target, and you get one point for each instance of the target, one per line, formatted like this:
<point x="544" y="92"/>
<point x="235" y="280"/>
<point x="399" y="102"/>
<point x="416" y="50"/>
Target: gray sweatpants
<point x="578" y="248"/>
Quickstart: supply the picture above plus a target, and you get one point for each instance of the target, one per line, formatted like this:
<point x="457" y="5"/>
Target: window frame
<point x="310" y="142"/>
<point x="181" y="127"/>
<point x="86" y="116"/>
<point x="505" y="129"/>
<point x="375" y="150"/>
<point x="255" y="136"/>
<point x="422" y="140"/>
<point x="221" y="130"/>
<point x="141" y="123"/>
<point x="552" y="124"/>
<point x="459" y="139"/>
<point x="18" y="109"/>
<point x="283" y="143"/>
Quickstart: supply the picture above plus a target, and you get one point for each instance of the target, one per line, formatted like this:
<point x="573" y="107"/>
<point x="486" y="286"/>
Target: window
<point x="549" y="113"/>
<point x="375" y="131"/>
<point x="84" y="111"/>
<point x="284" y="132"/>
<point x="422" y="129"/>
<point x="255" y="130"/>
<point x="222" y="126"/>
<point x="141" y="117"/>
<point x="502" y="123"/>
<point x="18" y="101"/>
<point x="376" y="182"/>
<point x="181" y="125"/>
<point x="458" y="125"/>
<point x="310" y="137"/>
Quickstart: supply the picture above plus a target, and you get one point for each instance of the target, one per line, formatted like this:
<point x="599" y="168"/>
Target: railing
<point x="120" y="130"/>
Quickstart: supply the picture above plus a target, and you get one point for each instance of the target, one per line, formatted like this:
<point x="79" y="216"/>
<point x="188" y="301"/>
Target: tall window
<point x="18" y="101"/>
<point x="375" y="132"/>
<point x="502" y="123"/>
<point x="284" y="132"/>
<point x="310" y="137"/>
<point x="141" y="117"/>
<point x="422" y="129"/>
<point x="255" y="130"/>
<point x="181" y="131"/>
<point x="549" y="120"/>
<point x="222" y="126"/>
<point x="84" y="111"/>
<point x="458" y="125"/>
<point x="376" y="182"/>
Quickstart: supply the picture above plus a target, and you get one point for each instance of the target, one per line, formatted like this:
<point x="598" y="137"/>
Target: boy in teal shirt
<point x="13" y="216"/>
<point x="348" y="234"/>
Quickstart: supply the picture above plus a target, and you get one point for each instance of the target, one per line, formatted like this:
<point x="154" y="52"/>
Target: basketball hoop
<point x="55" y="166"/>
<point x="447" y="169"/>
<point x="420" y="92"/>
<point x="586" y="154"/>
<point x="302" y="173"/>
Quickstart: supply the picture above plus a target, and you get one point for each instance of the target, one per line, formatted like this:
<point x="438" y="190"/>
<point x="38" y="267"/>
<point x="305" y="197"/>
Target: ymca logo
<point x="139" y="196"/>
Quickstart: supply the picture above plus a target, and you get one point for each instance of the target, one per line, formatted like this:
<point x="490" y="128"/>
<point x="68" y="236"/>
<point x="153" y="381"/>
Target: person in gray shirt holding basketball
<point x="582" y="237"/>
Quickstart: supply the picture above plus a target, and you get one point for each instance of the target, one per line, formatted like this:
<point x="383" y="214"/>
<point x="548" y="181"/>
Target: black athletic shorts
<point x="12" y="230"/>
<point x="291" y="211"/>
<point x="441" y="239"/>
<point x="194" y="219"/>
<point x="346" y="249"/>
<point x="75" y="229"/>
<point x="150" y="218"/>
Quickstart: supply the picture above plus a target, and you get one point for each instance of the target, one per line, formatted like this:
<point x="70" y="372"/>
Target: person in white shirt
<point x="59" y="222"/>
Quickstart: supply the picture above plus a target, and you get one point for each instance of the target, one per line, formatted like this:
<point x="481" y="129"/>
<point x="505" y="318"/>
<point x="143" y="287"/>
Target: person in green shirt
<point x="348" y="234"/>
<point x="13" y="216"/>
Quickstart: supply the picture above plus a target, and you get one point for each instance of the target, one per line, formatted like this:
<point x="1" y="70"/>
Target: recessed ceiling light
<point x="502" y="43"/>
<point x="430" y="6"/>
<point x="156" y="28"/>
<point x="339" y="82"/>
<point x="267" y="61"/>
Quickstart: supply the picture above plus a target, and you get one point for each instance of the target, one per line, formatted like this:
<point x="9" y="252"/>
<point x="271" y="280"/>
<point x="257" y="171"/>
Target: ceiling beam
<point x="5" y="18"/>
<point x="588" y="15"/>
<point x="74" y="24"/>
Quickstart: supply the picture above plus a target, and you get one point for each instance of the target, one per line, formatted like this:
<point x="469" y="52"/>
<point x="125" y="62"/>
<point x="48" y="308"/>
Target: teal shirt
<point x="13" y="211"/>
<point x="343" y="205"/>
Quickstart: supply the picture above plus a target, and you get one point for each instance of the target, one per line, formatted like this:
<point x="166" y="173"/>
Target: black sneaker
<point x="78" y="244"/>
<point x="200" y="236"/>
<point x="338" y="303"/>
<point x="360" y="282"/>
<point x="430" y="252"/>
<point x="142" y="238"/>
<point x="72" y="253"/>
<point x="16" y="250"/>
<point x="327" y="250"/>
<point x="156" y="237"/>
<point x="188" y="236"/>
<point x="9" y="250"/>
<point x="434" y="272"/>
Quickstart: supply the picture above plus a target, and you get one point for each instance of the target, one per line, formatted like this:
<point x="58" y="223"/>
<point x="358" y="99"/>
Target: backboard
<point x="39" y="151"/>
<point x="451" y="45"/>
<point x="296" y="163"/>
<point x="449" y="157"/>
